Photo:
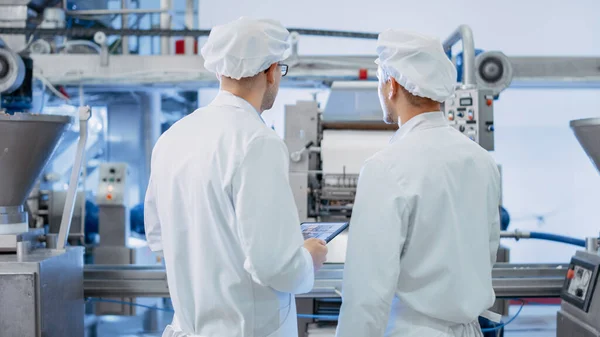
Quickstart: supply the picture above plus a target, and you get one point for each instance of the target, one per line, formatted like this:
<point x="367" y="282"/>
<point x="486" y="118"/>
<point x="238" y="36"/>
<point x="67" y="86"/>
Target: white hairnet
<point x="418" y="63"/>
<point x="245" y="47"/>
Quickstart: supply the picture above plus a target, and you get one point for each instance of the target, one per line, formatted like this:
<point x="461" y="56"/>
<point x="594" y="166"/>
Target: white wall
<point x="545" y="172"/>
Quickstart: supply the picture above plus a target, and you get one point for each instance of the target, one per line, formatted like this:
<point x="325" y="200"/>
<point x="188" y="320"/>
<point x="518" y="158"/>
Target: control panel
<point x="580" y="283"/>
<point x="471" y="112"/>
<point x="112" y="184"/>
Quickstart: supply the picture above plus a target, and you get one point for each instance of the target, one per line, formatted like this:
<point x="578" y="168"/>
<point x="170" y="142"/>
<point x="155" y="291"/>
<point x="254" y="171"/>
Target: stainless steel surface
<point x="301" y="128"/>
<point x="23" y="158"/>
<point x="17" y="292"/>
<point x="125" y="281"/>
<point x="569" y="326"/>
<point x="465" y="34"/>
<point x="113" y="225"/>
<point x="591" y="245"/>
<point x="187" y="71"/>
<point x="126" y="256"/>
<point x="9" y="242"/>
<point x="510" y="281"/>
<point x="12" y="215"/>
<point x="469" y="113"/>
<point x="575" y="321"/>
<point x="53" y="281"/>
<point x="65" y="225"/>
<point x="55" y="212"/>
<point x="587" y="132"/>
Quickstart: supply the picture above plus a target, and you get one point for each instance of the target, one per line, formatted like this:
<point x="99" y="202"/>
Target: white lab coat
<point x="220" y="207"/>
<point x="423" y="236"/>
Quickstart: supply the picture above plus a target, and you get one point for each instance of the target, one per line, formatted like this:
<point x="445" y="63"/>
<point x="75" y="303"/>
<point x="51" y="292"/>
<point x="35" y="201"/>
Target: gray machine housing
<point x="579" y="313"/>
<point x="41" y="293"/>
<point x="471" y="112"/>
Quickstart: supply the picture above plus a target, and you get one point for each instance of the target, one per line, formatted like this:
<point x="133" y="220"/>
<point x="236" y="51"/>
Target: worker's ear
<point x="394" y="88"/>
<point x="271" y="72"/>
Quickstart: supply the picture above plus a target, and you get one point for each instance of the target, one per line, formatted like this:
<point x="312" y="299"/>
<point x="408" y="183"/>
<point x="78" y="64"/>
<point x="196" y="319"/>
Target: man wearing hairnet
<point x="425" y="224"/>
<point x="219" y="205"/>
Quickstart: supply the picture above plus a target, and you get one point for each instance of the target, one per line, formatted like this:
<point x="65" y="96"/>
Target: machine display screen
<point x="466" y="101"/>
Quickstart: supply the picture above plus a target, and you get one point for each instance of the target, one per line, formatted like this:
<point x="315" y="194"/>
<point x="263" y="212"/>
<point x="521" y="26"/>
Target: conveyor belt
<point x="510" y="281"/>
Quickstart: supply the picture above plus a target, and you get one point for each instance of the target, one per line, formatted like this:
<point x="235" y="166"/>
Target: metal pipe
<point x="465" y="34"/>
<point x="124" y="24"/>
<point x="165" y="23"/>
<point x="189" y="23"/>
<point x="116" y="11"/>
<point x="65" y="224"/>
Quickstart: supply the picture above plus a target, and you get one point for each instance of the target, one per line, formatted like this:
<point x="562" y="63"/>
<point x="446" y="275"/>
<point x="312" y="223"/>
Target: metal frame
<point x="509" y="281"/>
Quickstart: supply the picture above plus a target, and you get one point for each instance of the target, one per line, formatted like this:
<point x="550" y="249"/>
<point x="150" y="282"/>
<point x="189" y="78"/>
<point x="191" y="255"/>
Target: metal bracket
<point x="65" y="225"/>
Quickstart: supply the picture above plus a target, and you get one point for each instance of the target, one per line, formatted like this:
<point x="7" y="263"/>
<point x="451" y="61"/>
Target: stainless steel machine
<point x="40" y="278"/>
<point x="579" y="313"/>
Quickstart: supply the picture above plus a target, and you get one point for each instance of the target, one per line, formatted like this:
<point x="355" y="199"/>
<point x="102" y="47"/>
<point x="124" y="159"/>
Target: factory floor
<point x="533" y="321"/>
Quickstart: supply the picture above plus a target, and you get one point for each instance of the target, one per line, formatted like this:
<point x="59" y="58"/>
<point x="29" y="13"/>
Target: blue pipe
<point x="557" y="238"/>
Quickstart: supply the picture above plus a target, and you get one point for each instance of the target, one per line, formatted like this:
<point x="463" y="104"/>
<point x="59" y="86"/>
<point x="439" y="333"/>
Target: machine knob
<point x="461" y="128"/>
<point x="579" y="292"/>
<point x="461" y="115"/>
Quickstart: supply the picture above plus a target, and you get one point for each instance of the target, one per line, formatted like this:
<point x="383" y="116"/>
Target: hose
<point x="557" y="238"/>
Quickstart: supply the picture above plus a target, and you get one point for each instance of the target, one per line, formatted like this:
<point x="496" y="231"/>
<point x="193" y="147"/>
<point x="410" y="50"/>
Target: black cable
<point x="82" y="32"/>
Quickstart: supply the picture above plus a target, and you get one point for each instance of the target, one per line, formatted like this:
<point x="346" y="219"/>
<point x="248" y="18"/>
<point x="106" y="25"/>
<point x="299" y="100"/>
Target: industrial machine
<point x="42" y="284"/>
<point x="40" y="278"/>
<point x="579" y="313"/>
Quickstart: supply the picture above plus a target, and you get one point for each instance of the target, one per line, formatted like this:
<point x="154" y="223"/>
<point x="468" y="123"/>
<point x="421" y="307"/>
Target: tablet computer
<point x="325" y="231"/>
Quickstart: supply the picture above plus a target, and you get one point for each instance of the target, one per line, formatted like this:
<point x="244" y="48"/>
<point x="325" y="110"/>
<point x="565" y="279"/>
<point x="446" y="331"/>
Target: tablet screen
<point x="325" y="231"/>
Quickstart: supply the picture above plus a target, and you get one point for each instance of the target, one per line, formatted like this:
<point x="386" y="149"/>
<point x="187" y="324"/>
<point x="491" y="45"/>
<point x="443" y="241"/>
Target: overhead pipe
<point x="465" y="34"/>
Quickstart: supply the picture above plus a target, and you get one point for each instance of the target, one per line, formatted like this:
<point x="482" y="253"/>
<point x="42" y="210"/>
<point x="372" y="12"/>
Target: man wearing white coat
<point x="425" y="225"/>
<point x="219" y="205"/>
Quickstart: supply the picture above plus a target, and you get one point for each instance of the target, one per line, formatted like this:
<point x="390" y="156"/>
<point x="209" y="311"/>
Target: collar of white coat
<point x="422" y="121"/>
<point x="225" y="98"/>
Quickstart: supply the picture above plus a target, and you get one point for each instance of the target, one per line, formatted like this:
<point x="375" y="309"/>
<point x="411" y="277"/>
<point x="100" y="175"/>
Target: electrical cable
<point x="502" y="325"/>
<point x="51" y="87"/>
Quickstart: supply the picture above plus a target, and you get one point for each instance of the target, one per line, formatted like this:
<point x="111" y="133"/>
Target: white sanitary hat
<point x="418" y="63"/>
<point x="245" y="47"/>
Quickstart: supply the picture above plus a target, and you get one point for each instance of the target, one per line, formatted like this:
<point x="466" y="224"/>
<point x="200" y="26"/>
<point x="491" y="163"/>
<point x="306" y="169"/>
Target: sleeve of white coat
<point x="495" y="219"/>
<point x="151" y="222"/>
<point x="267" y="218"/>
<point x="378" y="230"/>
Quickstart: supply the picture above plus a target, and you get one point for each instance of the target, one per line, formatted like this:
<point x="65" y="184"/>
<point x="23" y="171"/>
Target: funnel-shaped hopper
<point x="26" y="143"/>
<point x="587" y="132"/>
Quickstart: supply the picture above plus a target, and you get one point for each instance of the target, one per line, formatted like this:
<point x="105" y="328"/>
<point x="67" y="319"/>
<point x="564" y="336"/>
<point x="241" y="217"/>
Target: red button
<point x="363" y="74"/>
<point x="570" y="274"/>
<point x="109" y="196"/>
<point x="489" y="102"/>
<point x="451" y="117"/>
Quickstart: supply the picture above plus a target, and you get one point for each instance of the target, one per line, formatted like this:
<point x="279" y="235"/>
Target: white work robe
<point x="423" y="236"/>
<point x="220" y="208"/>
